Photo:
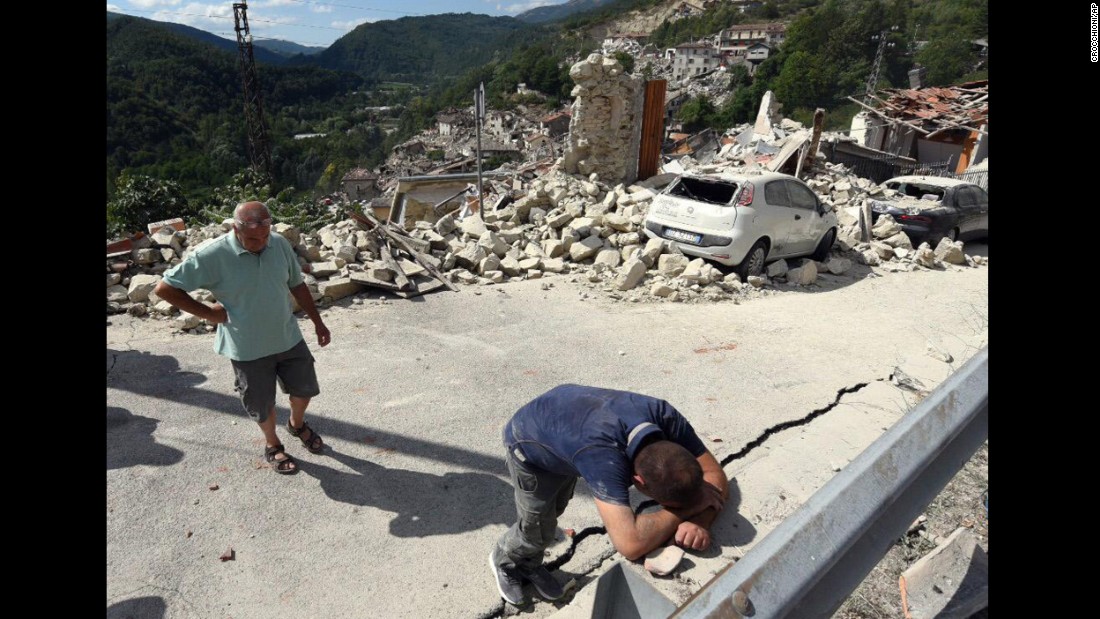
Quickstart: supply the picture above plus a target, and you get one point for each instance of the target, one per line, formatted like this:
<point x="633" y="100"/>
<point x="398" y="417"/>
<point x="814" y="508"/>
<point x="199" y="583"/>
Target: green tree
<point x="626" y="60"/>
<point x="140" y="200"/>
<point x="697" y="113"/>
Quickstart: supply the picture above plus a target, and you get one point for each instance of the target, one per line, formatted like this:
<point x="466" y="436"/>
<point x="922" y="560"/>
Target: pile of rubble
<point x="563" y="224"/>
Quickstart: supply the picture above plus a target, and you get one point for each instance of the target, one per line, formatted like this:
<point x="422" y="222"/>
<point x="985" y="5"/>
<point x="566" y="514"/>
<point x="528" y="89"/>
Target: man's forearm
<point x="305" y="301"/>
<point x="183" y="301"/>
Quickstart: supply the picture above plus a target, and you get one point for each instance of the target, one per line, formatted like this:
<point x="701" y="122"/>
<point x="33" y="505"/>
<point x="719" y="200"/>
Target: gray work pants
<point x="540" y="498"/>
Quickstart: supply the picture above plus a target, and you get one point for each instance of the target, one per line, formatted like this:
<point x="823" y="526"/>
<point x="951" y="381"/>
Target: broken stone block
<point x="165" y="308"/>
<point x="950" y="251"/>
<point x="585" y="249"/>
<point x="617" y="222"/>
<point x="610" y="257"/>
<point x="559" y="220"/>
<point x="631" y="274"/>
<point x="652" y="251"/>
<point x="465" y="277"/>
<point x="312" y="253"/>
<point x="901" y="253"/>
<point x="925" y="256"/>
<point x="777" y="268"/>
<point x="537" y="216"/>
<point x="146" y="256"/>
<point x="838" y="266"/>
<point x="324" y="269"/>
<point x="445" y="225"/>
<point x="870" y="257"/>
<point x="663" y="561"/>
<point x="338" y="288"/>
<point x="900" y="239"/>
<point x="288" y="232"/>
<point x="186" y="321"/>
<point x="510" y="265"/>
<point x="804" y="275"/>
<point x="885" y="227"/>
<point x="553" y="248"/>
<point x="330" y="239"/>
<point x="117" y="294"/>
<point x="660" y="289"/>
<point x="473" y="226"/>
<point x="113" y="279"/>
<point x="471" y="256"/>
<point x="553" y="265"/>
<point x="347" y="253"/>
<point x="492" y="243"/>
<point x="757" y="282"/>
<point x="530" y="263"/>
<point x="884" y="251"/>
<point x="496" y="277"/>
<point x="489" y="263"/>
<point x="141" y="286"/>
<point x="671" y="265"/>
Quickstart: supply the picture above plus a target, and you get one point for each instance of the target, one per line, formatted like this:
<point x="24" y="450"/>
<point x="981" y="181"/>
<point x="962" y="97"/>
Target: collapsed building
<point x="581" y="217"/>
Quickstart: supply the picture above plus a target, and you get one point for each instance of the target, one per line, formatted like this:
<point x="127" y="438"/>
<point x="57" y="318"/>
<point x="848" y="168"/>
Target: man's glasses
<point x="252" y="225"/>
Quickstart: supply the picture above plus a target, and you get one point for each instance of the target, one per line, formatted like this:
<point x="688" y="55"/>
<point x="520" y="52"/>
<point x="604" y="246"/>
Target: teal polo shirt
<point x="253" y="288"/>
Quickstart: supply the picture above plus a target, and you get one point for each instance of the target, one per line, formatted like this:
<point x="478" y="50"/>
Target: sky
<point x="309" y="22"/>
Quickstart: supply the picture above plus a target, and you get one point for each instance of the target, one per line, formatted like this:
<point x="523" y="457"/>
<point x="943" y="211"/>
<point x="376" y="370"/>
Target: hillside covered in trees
<point x="174" y="101"/>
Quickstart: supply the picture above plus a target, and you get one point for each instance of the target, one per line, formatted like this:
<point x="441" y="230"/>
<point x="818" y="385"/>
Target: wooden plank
<point x="372" y="224"/>
<point x="362" y="278"/>
<point x="653" y="123"/>
<point x="399" y="278"/>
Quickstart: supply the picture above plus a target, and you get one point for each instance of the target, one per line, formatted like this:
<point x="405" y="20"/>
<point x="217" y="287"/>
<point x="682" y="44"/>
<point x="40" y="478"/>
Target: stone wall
<point x="605" y="130"/>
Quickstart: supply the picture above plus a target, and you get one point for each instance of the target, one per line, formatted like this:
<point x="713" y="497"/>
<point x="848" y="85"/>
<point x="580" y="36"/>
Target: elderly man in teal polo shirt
<point x="249" y="272"/>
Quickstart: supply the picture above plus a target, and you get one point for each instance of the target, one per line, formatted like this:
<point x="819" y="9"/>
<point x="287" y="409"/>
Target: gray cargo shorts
<point x="255" y="380"/>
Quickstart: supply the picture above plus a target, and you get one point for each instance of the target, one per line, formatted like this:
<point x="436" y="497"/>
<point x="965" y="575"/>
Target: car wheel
<point x="753" y="264"/>
<point x="822" y="251"/>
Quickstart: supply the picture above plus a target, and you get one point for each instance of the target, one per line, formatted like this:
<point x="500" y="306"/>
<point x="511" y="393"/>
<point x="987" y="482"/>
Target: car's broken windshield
<point x="918" y="191"/>
<point x="715" y="192"/>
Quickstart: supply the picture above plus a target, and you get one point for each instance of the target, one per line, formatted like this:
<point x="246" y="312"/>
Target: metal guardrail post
<point x="809" y="564"/>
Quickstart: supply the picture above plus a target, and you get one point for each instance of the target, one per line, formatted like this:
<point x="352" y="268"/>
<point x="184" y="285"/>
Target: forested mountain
<point x="544" y="14"/>
<point x="421" y="50"/>
<point x="287" y="48"/>
<point x="261" y="55"/>
<point x="174" y="105"/>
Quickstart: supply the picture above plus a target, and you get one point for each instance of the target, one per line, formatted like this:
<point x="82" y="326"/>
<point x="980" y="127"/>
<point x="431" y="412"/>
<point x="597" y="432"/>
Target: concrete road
<point x="397" y="517"/>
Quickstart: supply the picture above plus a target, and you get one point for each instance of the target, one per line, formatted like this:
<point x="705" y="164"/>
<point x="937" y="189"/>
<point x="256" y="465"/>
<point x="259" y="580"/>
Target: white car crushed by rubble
<point x="746" y="219"/>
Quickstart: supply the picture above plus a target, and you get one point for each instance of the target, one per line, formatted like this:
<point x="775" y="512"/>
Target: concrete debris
<point x="663" y="561"/>
<point x="582" y="213"/>
<point x="950" y="582"/>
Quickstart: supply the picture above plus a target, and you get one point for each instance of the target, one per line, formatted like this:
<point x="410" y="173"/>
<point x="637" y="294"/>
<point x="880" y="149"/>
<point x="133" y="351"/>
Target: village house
<point x="736" y="40"/>
<point x="360" y="184"/>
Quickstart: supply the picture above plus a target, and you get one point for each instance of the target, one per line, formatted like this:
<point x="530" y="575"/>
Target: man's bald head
<point x="252" y="225"/>
<point x="251" y="211"/>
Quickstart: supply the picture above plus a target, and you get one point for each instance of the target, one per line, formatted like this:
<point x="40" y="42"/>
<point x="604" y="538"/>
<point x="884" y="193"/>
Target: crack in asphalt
<point x="786" y="425"/>
<point x="114" y="360"/>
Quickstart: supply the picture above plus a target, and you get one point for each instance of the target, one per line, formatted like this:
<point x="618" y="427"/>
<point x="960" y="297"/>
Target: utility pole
<point x="259" y="147"/>
<point x="872" y="79"/>
<point x="479" y="117"/>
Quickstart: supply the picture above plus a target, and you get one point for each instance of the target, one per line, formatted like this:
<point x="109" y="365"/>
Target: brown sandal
<point x="314" y="443"/>
<point x="287" y="466"/>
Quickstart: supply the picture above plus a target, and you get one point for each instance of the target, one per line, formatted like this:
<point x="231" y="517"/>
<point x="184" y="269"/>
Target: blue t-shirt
<point x="594" y="433"/>
<point x="253" y="288"/>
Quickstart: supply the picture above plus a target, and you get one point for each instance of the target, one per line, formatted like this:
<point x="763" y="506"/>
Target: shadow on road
<point x="151" y="607"/>
<point x="159" y="376"/>
<point x="130" y="441"/>
<point x="425" y="504"/>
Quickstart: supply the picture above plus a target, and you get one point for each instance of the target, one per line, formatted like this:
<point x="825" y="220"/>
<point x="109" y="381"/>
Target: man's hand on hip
<point x="218" y="315"/>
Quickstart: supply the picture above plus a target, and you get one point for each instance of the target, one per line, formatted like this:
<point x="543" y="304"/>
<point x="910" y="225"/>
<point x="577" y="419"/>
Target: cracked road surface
<point x="396" y="517"/>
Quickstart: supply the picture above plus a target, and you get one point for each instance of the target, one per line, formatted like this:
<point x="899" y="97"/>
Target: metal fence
<point x="881" y="168"/>
<point x="811" y="562"/>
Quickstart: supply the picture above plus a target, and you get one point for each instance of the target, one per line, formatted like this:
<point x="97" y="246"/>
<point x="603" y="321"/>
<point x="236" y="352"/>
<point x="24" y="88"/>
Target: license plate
<point x="680" y="235"/>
